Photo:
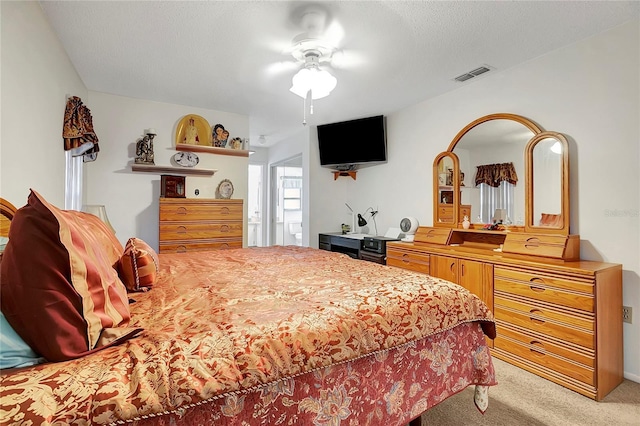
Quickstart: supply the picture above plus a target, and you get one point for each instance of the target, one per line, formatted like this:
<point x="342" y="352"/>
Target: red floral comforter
<point x="224" y="324"/>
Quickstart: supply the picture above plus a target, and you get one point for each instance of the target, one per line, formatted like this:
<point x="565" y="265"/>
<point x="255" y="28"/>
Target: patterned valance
<point x="494" y="174"/>
<point x="77" y="130"/>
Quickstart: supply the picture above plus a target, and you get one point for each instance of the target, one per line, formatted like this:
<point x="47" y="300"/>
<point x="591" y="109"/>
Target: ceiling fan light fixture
<point x="319" y="82"/>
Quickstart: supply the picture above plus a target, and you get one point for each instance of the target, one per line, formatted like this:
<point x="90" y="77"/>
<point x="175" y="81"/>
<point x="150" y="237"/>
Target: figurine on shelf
<point x="144" y="148"/>
<point x="191" y="133"/>
<point x="465" y="222"/>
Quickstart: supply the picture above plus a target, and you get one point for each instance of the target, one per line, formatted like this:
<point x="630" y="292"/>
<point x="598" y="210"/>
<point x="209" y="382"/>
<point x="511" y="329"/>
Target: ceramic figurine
<point x="465" y="222"/>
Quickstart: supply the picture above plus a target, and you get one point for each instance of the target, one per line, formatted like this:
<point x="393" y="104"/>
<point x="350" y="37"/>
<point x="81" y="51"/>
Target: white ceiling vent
<point x="474" y="73"/>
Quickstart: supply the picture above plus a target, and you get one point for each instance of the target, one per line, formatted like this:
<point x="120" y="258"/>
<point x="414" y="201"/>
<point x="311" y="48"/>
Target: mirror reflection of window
<point x="493" y="142"/>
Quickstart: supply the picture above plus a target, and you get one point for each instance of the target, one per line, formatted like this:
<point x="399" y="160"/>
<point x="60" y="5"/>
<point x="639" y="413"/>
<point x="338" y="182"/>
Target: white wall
<point x="36" y="78"/>
<point x="588" y="91"/>
<point x="132" y="198"/>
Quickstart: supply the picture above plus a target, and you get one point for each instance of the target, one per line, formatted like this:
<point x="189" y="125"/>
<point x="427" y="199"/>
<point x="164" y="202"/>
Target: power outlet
<point x="626" y="314"/>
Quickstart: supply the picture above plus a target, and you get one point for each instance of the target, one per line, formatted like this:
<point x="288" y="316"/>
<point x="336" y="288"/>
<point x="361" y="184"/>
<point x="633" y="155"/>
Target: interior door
<point x="286" y="202"/>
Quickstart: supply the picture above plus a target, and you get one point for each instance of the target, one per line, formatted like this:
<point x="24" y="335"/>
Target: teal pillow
<point x="3" y="243"/>
<point x="14" y="352"/>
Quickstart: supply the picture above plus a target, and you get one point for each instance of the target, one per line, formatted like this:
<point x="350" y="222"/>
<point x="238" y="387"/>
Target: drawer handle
<point x="181" y="249"/>
<point x="182" y="230"/>
<point x="181" y="210"/>
<point x="536" y="288"/>
<point x="224" y="245"/>
<point x="224" y="228"/>
<point x="532" y="243"/>
<point x="225" y="210"/>
<point x="451" y="267"/>
<point x="537" y="348"/>
<point x="536" y="320"/>
<point x="405" y="258"/>
<point x="431" y="234"/>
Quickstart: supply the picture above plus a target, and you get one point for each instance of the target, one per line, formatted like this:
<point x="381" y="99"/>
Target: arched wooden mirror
<point x="445" y="179"/>
<point x="548" y="184"/>
<point x="494" y="144"/>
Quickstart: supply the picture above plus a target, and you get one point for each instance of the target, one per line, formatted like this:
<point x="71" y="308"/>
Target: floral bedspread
<point x="223" y="326"/>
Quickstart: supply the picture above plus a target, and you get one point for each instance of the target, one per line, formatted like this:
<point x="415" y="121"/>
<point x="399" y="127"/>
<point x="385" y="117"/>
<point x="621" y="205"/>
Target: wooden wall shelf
<point x="173" y="170"/>
<point x="212" y="150"/>
<point x="337" y="174"/>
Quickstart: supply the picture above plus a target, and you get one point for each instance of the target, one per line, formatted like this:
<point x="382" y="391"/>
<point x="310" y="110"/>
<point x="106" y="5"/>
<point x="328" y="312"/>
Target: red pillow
<point x="138" y="267"/>
<point x="59" y="289"/>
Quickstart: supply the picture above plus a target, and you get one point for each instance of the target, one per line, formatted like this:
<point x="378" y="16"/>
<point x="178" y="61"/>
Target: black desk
<point x="353" y="247"/>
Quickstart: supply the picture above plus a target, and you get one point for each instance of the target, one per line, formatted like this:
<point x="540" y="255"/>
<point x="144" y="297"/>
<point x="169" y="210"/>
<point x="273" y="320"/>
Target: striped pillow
<point x="60" y="291"/>
<point x="138" y="267"/>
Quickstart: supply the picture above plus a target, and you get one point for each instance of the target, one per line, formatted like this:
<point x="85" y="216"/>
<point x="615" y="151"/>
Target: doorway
<point x="255" y="212"/>
<point x="286" y="202"/>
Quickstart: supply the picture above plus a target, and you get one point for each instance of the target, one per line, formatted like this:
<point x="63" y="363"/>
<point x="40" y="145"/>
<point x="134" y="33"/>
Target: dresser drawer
<point x="193" y="212"/>
<point x="547" y="288"/>
<point x="190" y="246"/>
<point x="555" y="246"/>
<point x="199" y="230"/>
<point x="540" y="322"/>
<point x="544" y="344"/>
<point x="584" y="321"/>
<point x="542" y="353"/>
<point x="426" y="234"/>
<point x="407" y="259"/>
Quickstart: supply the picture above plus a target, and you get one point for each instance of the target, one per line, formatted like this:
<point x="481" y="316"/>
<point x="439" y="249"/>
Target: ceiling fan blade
<point x="278" y="68"/>
<point x="348" y="59"/>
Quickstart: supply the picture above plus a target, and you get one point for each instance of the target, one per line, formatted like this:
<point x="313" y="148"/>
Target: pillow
<point x="14" y="351"/>
<point x="3" y="243"/>
<point x="59" y="290"/>
<point x="138" y="267"/>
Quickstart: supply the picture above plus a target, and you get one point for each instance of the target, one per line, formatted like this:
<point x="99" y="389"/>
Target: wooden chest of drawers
<point x="561" y="325"/>
<point x="188" y="224"/>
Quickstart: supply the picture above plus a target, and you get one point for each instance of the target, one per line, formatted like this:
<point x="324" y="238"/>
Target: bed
<point x="261" y="336"/>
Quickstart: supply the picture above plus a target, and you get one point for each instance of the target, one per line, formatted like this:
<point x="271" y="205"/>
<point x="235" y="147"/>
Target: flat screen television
<point x="348" y="145"/>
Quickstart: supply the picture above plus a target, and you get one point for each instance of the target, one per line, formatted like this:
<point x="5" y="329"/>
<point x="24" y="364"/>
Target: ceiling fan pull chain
<point x="304" y="111"/>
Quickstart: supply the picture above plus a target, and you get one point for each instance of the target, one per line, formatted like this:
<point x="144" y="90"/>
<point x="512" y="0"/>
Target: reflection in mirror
<point x="494" y="148"/>
<point x="547" y="188"/>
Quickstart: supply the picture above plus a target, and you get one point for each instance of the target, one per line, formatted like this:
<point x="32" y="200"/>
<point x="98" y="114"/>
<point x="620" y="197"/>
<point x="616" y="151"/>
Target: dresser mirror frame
<point x="525" y="224"/>
<point x="543" y="161"/>
<point x="444" y="213"/>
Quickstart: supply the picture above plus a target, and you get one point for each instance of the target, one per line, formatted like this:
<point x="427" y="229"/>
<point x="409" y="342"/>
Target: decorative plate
<point x="225" y="189"/>
<point x="193" y="130"/>
<point x="186" y="159"/>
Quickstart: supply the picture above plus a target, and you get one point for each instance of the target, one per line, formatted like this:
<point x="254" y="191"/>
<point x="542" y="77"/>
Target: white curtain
<point x="492" y="198"/>
<point x="73" y="181"/>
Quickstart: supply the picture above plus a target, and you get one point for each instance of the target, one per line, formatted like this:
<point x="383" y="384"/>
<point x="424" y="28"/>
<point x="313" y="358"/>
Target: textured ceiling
<point x="231" y="55"/>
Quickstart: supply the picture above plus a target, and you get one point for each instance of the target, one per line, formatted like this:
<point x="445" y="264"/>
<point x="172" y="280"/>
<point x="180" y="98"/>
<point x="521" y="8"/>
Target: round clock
<point x="225" y="189"/>
<point x="186" y="159"/>
<point x="409" y="226"/>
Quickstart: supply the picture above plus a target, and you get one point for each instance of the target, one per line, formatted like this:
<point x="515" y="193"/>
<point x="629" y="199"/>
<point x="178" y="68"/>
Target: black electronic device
<point x="348" y="145"/>
<point x="377" y="244"/>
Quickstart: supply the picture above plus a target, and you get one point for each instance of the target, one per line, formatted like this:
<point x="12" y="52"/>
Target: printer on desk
<point x="377" y="244"/>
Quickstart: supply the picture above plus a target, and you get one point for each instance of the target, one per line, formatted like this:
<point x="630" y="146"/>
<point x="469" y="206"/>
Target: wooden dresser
<point x="192" y="224"/>
<point x="560" y="319"/>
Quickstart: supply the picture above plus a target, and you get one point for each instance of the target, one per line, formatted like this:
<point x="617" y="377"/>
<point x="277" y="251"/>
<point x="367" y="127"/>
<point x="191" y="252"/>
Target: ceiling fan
<point x="315" y="50"/>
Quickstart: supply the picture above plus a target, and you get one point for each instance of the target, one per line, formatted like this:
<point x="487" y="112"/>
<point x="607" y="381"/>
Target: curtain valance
<point x="494" y="174"/>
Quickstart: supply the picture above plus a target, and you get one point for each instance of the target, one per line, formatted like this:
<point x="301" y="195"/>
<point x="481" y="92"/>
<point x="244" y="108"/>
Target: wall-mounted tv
<point x="348" y="145"/>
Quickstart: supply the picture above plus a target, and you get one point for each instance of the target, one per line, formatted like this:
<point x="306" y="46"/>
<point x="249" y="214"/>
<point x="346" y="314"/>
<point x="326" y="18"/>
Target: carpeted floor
<point x="524" y="399"/>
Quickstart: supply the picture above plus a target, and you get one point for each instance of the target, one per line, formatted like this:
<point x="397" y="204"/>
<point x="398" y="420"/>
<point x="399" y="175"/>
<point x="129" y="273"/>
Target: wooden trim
<point x="498" y="116"/>
<point x="7" y="211"/>
<point x="213" y="150"/>
<point x="173" y="170"/>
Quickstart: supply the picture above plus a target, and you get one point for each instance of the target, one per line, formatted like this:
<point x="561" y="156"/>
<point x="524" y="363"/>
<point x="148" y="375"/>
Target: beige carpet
<point x="522" y="398"/>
